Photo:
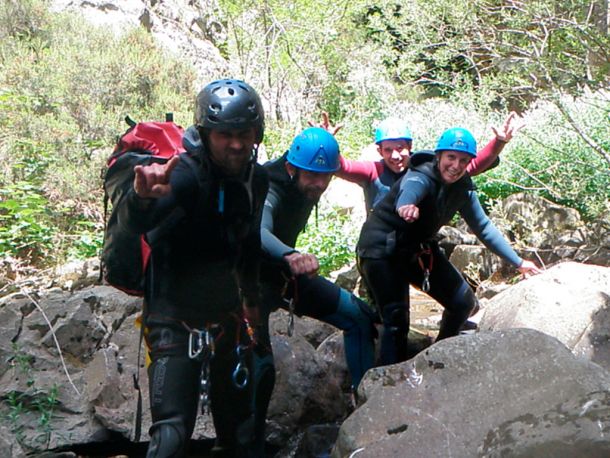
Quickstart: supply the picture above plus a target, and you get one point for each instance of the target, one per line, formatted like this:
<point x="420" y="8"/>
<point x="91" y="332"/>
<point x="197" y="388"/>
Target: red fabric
<point x="485" y="157"/>
<point x="158" y="138"/>
<point x="359" y="171"/>
<point x="146" y="251"/>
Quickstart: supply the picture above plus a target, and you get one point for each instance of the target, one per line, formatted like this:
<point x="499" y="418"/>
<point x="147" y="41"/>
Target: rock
<point x="488" y="289"/>
<point x="302" y="394"/>
<point x="539" y="222"/>
<point x="347" y="277"/>
<point x="570" y="302"/>
<point x="493" y="377"/>
<point x="77" y="274"/>
<point x="182" y="27"/>
<point x="576" y="428"/>
<point x="317" y="441"/>
<point x="477" y="261"/>
<point x="449" y="237"/>
<point x="9" y="445"/>
<point x="313" y="331"/>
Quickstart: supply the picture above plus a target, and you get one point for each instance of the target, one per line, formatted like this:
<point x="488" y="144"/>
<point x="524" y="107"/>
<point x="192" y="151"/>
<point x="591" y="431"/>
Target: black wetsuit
<point x="394" y="253"/>
<point x="204" y="264"/>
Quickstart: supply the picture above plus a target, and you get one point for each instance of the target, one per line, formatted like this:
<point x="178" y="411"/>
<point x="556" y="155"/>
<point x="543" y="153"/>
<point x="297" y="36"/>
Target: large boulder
<point x="457" y="397"/>
<point x="94" y="331"/>
<point x="570" y="301"/>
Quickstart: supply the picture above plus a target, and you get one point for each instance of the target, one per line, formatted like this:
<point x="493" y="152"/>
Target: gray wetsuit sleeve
<point x="272" y="245"/>
<point x="486" y="231"/>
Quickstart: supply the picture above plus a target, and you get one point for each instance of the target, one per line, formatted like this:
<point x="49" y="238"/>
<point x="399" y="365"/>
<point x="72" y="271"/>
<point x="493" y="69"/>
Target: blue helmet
<point x="392" y="129"/>
<point x="457" y="139"/>
<point x="315" y="150"/>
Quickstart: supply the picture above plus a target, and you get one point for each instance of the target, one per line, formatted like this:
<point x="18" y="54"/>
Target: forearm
<point x="274" y="247"/>
<point x="357" y="171"/>
<point x="413" y="188"/>
<point x="139" y="215"/>
<point x="486" y="157"/>
<point x="487" y="232"/>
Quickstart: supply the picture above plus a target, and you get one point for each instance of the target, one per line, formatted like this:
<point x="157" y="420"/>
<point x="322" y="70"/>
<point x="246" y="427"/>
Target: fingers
<point x="326" y="125"/>
<point x="528" y="269"/>
<point x="302" y="264"/>
<point x="513" y="124"/>
<point x="409" y="213"/>
<point x="152" y="181"/>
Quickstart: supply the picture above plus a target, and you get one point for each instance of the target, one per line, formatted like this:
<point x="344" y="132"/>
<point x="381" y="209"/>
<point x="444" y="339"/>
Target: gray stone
<point x="425" y="405"/>
<point x="313" y="331"/>
<point x="577" y="428"/>
<point x="570" y="301"/>
<point x="302" y="394"/>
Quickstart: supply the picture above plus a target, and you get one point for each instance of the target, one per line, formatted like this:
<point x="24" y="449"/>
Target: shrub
<point x="64" y="90"/>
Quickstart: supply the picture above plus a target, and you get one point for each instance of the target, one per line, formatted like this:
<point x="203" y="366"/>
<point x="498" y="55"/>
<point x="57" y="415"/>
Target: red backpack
<point x="124" y="254"/>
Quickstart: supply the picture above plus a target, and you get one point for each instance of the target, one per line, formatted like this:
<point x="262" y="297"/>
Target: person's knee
<point x="464" y="300"/>
<point x="352" y="314"/>
<point x="167" y="438"/>
<point x="396" y="316"/>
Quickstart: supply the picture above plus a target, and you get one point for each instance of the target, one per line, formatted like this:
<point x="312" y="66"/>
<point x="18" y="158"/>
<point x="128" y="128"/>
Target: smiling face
<point x="395" y="154"/>
<point x="231" y="150"/>
<point x="452" y="165"/>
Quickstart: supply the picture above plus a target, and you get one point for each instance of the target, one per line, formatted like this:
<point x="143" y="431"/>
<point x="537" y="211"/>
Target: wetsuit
<point x="205" y="239"/>
<point x="284" y="218"/>
<point x="394" y="253"/>
<point x="376" y="178"/>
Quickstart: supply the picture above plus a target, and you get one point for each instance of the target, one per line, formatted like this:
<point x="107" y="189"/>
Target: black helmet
<point x="230" y="104"/>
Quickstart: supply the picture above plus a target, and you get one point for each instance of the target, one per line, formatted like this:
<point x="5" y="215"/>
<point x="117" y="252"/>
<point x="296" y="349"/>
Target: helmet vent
<point x="231" y="91"/>
<point x="215" y="107"/>
<point x="213" y="119"/>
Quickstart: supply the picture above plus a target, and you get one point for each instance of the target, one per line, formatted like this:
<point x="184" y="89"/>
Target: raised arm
<point x="359" y="171"/>
<point x="487" y="157"/>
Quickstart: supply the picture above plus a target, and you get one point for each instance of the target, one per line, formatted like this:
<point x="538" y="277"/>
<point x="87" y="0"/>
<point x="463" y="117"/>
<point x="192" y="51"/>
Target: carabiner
<point x="198" y="345"/>
<point x="425" y="287"/>
<point x="241" y="373"/>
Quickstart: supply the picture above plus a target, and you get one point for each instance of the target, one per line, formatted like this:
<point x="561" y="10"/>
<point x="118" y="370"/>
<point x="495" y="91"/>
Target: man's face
<point x="452" y="165"/>
<point x="231" y="150"/>
<point x="395" y="154"/>
<point x="311" y="184"/>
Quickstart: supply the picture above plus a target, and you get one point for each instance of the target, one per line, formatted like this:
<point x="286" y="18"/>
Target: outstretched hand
<point x="528" y="268"/>
<point x="302" y="264"/>
<point x="408" y="212"/>
<point x="326" y="125"/>
<point x="152" y="181"/>
<point x="513" y="124"/>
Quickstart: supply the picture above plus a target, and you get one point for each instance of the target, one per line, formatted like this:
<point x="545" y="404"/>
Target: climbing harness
<point x="202" y="346"/>
<point x="427" y="269"/>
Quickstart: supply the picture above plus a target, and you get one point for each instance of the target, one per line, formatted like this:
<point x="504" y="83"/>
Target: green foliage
<point x="64" y="90"/>
<point x="65" y="87"/>
<point x="27" y="229"/>
<point x="552" y="160"/>
<point x="331" y="236"/>
<point x="515" y="50"/>
<point x="34" y="402"/>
